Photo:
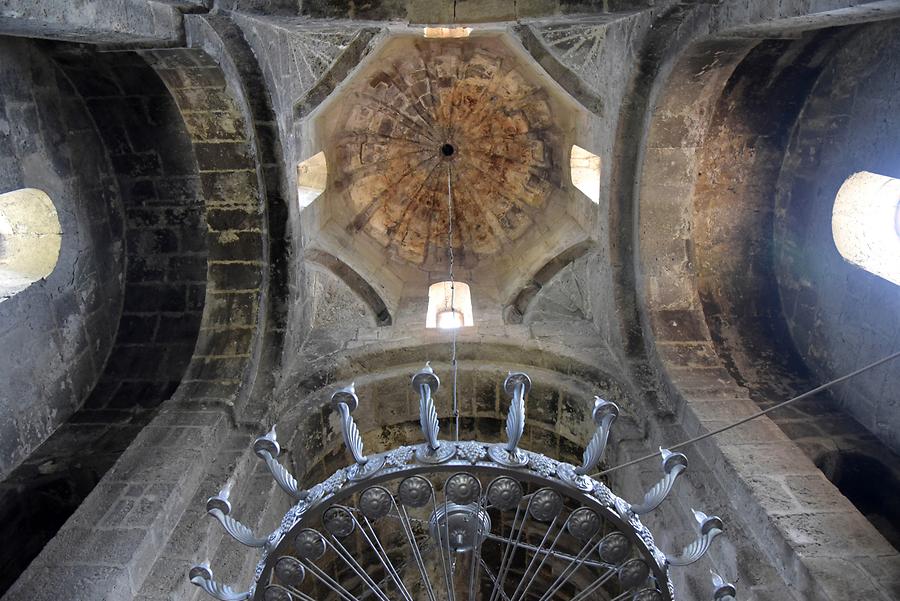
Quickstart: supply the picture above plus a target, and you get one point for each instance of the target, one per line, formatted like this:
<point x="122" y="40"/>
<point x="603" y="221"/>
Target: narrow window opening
<point x="865" y="223"/>
<point x="312" y="175"/>
<point x="449" y="306"/>
<point x="446" y="32"/>
<point x="584" y="167"/>
<point x="30" y="238"/>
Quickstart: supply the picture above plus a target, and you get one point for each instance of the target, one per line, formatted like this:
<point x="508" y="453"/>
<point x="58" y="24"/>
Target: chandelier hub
<point x="461" y="527"/>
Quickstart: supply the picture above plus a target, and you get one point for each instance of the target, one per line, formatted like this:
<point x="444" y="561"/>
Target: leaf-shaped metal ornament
<point x="346" y="401"/>
<point x="724" y="591"/>
<point x="673" y="465"/>
<point x="426" y="383"/>
<point x="517" y="385"/>
<point x="520" y="383"/>
<point x="267" y="448"/>
<point x="220" y="508"/>
<point x="201" y="576"/>
<point x="710" y="528"/>
<point x="604" y="414"/>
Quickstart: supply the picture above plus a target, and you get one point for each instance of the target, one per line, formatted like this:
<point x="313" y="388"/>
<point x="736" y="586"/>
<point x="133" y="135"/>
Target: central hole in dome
<point x="447" y="150"/>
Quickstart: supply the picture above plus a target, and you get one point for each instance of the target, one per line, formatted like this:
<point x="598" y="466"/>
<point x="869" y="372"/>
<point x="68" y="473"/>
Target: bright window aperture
<point x="865" y="223"/>
<point x="449" y="306"/>
<point x="312" y="176"/>
<point x="30" y="238"/>
<point x="584" y="168"/>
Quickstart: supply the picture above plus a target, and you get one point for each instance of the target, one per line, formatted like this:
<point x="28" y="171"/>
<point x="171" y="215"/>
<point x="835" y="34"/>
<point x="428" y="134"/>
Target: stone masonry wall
<point x="124" y="524"/>
<point x="811" y="533"/>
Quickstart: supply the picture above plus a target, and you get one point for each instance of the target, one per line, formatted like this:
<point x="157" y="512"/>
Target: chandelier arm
<point x="352" y="438"/>
<point x="428" y="418"/>
<point x="515" y="419"/>
<point x="724" y="591"/>
<point x="202" y="576"/>
<point x="694" y="551"/>
<point x="267" y="448"/>
<point x="237" y="530"/>
<point x="710" y="528"/>
<point x="604" y="414"/>
<point x="220" y="591"/>
<point x="283" y="477"/>
<point x="673" y="465"/>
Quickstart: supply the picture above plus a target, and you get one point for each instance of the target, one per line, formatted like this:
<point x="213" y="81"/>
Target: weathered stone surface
<point x="657" y="297"/>
<point x="393" y="155"/>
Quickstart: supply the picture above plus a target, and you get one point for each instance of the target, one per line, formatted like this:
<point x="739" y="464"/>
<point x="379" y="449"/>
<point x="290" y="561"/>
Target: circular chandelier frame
<point x="570" y="536"/>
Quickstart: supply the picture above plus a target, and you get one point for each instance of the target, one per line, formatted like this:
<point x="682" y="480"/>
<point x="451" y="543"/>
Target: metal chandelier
<point x="453" y="520"/>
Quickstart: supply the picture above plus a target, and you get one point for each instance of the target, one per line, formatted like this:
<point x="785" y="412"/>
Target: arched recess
<point x="840" y="316"/>
<point x="225" y="165"/>
<point x="164" y="224"/>
<point x="515" y="309"/>
<point x="703" y="271"/>
<point x="360" y="287"/>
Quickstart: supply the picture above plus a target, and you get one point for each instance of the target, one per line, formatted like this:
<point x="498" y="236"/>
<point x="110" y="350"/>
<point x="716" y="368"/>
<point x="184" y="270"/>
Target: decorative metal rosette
<point x="467" y="527"/>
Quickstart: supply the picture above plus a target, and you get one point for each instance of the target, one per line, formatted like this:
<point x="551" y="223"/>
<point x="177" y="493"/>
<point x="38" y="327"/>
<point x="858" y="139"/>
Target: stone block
<point x="680" y="326"/>
<point x="223" y="156"/>
<point x="774" y="496"/>
<point x="885" y="573"/>
<point x="840" y="579"/>
<point x="229" y="219"/>
<point x="722" y="410"/>
<point x="51" y="583"/>
<point x="773" y="459"/>
<point x="236" y="276"/>
<point x="750" y="433"/>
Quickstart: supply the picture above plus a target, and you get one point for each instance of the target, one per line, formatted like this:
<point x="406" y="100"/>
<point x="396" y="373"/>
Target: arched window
<point x="865" y="223"/>
<point x="30" y="237"/>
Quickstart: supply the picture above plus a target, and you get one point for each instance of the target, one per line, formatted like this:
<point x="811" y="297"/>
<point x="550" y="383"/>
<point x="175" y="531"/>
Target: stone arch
<point x="360" y="287"/>
<point x="517" y="306"/>
<point x="679" y="165"/>
<point x="237" y="183"/>
<point x="30" y="238"/>
<point x="234" y="196"/>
